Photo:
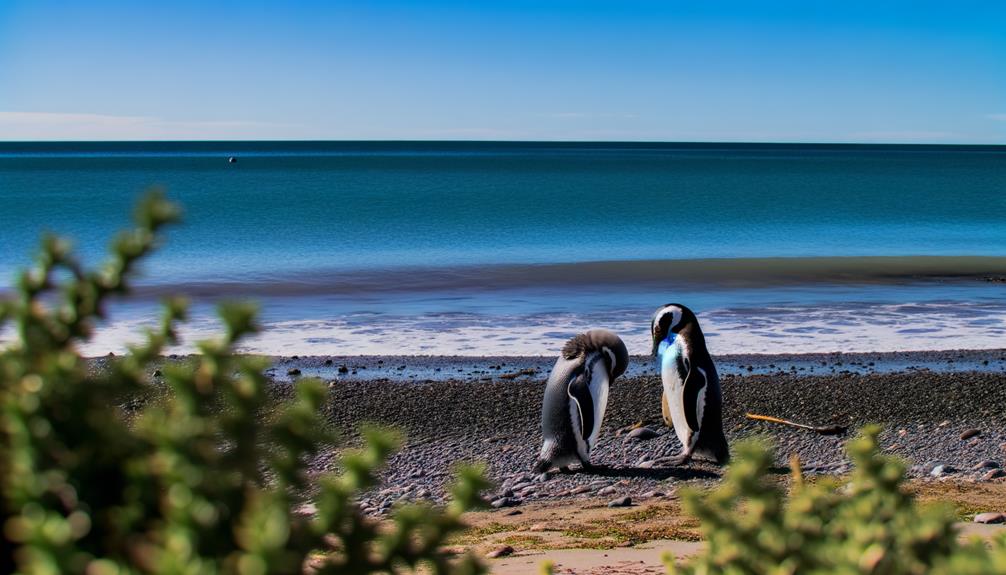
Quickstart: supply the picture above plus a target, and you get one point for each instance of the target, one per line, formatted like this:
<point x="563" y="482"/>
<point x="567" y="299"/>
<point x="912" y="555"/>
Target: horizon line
<point x="515" y="141"/>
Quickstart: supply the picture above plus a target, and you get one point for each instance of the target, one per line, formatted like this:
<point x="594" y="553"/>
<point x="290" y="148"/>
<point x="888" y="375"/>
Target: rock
<point x="969" y="433"/>
<point x="157" y="373"/>
<point x="538" y="527"/>
<point x="505" y="502"/>
<point x="642" y="434"/>
<point x="306" y="510"/>
<point x="652" y="494"/>
<point x="941" y="470"/>
<point x="609" y="490"/>
<point x="987" y="464"/>
<point x="452" y="550"/>
<point x="513" y="512"/>
<point x="989" y="518"/>
<point x="580" y="489"/>
<point x="343" y="369"/>
<point x="328" y="362"/>
<point x="501" y="551"/>
<point x="293" y="371"/>
<point x="620" y="502"/>
<point x="993" y="474"/>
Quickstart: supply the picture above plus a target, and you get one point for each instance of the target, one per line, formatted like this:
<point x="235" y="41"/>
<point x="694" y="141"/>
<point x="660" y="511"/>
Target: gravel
<point x="930" y="419"/>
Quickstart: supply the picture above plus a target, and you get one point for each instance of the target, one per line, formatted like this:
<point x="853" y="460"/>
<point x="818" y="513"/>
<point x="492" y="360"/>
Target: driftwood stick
<point x="823" y="430"/>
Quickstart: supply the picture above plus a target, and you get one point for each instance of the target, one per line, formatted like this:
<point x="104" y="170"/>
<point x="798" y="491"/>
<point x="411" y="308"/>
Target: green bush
<point x="206" y="480"/>
<point x="867" y="525"/>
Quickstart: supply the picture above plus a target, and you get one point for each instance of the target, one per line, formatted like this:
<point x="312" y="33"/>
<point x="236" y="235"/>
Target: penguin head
<point x="616" y="356"/>
<point x="667" y="322"/>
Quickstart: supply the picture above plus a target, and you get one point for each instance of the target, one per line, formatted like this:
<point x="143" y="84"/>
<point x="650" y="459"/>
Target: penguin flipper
<point x="694" y="397"/>
<point x="579" y="392"/>
<point x="665" y="410"/>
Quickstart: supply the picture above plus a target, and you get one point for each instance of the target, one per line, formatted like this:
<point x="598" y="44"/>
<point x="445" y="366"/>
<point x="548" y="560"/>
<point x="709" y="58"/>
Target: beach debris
<point x="501" y="551"/>
<point x="642" y="434"/>
<point x="989" y="518"/>
<point x="621" y="502"/>
<point x="969" y="433"/>
<point x="822" y="430"/>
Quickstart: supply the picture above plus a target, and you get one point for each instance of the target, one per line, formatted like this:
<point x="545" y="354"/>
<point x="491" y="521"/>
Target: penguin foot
<point x="680" y="460"/>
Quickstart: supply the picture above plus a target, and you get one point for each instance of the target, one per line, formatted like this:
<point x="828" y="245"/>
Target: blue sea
<point x="493" y="248"/>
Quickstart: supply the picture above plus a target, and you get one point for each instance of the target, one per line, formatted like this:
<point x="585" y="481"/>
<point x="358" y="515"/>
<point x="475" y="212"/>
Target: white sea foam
<point x="770" y="330"/>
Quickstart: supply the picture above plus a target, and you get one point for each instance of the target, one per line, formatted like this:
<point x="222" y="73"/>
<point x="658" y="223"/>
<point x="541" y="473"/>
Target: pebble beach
<point x="945" y="423"/>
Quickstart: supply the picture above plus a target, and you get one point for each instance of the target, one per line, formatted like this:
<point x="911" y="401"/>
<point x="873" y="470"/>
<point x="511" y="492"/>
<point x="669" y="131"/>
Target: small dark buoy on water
<point x="232" y="160"/>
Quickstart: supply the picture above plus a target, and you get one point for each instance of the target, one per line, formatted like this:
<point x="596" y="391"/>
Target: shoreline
<point x="429" y="368"/>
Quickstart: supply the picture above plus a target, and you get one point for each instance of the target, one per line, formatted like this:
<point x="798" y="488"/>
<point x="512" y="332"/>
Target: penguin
<point x="691" y="402"/>
<point x="576" y="397"/>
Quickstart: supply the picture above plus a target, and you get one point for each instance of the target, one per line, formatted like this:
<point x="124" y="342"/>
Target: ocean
<point x="509" y="248"/>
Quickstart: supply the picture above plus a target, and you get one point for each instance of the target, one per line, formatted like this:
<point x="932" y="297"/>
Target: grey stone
<point x="969" y="433"/>
<point x="620" y="502"/>
<point x="505" y="502"/>
<point x="642" y="434"/>
<point x="501" y="551"/>
<point x="990" y="518"/>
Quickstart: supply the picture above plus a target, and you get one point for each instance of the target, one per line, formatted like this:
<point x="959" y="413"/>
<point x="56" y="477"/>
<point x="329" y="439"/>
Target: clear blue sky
<point x="695" y="70"/>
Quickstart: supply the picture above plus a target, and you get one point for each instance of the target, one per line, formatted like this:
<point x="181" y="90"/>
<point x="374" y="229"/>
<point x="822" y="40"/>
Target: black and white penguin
<point x="576" y="397"/>
<point x="692" y="402"/>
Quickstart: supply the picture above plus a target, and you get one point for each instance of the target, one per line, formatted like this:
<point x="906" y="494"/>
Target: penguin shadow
<point x="655" y="473"/>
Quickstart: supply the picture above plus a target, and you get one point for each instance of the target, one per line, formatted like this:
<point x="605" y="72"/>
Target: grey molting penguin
<point x="576" y="397"/>
<point x="692" y="402"/>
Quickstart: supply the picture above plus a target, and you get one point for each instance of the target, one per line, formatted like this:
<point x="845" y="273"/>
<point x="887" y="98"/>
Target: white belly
<point x="598" y="386"/>
<point x="599" y="393"/>
<point x="674" y="391"/>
